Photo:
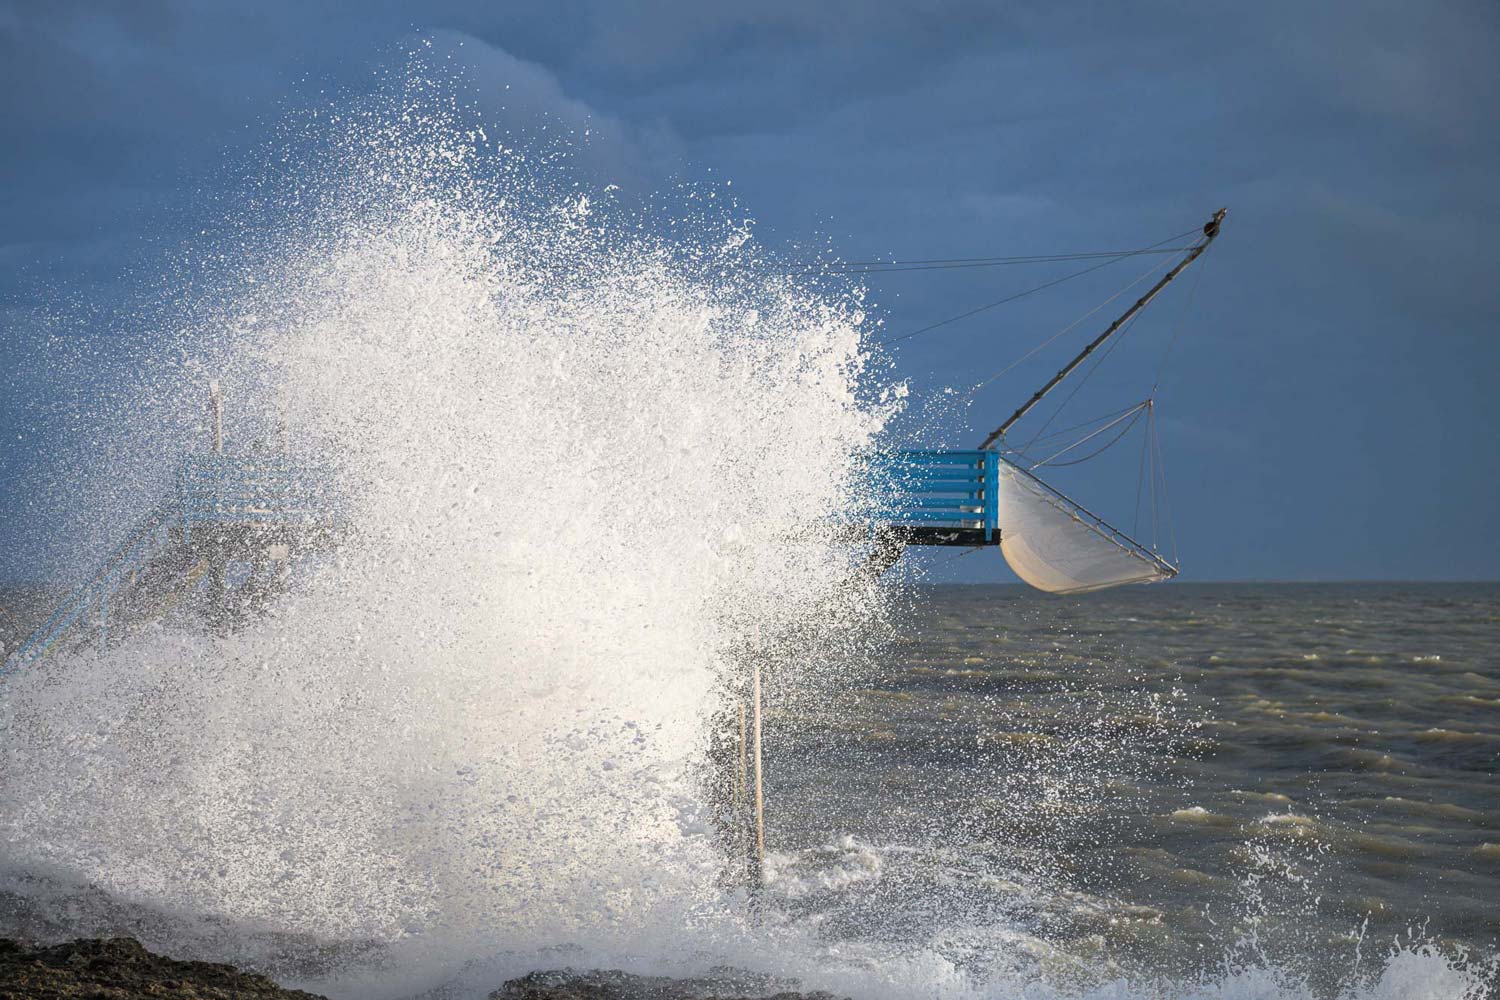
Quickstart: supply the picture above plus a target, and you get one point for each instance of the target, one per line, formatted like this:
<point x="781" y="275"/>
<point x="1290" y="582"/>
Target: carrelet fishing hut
<point x="992" y="496"/>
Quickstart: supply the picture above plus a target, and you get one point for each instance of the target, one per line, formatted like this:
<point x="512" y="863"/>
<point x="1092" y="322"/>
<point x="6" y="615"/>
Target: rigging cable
<point x="1064" y="432"/>
<point x="1140" y="483"/>
<point x="1067" y="329"/>
<point x="1151" y="466"/>
<point x="1153" y="433"/>
<point x="1030" y="291"/>
<point x="1155" y="495"/>
<point x="1132" y="414"/>
<point x="1161" y="472"/>
<point x="961" y="263"/>
<point x="1187" y="309"/>
<point x="824" y="266"/>
<point x="1120" y="336"/>
<point x="958" y="400"/>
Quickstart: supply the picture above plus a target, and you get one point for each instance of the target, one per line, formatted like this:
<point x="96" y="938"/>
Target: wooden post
<point x="758" y="845"/>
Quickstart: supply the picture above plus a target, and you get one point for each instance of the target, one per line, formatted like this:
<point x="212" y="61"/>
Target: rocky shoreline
<point x="121" y="969"/>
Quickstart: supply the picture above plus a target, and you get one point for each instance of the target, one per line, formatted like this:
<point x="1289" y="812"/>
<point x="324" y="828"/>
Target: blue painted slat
<point x="927" y="487"/>
<point x="896" y="499"/>
<point x="912" y="484"/>
<point x="933" y="503"/>
<point x="933" y="517"/>
<point x="919" y="473"/>
<point x="933" y="454"/>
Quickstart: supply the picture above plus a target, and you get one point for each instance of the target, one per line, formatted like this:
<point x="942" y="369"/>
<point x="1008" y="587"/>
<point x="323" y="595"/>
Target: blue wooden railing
<point x="936" y="490"/>
<point x="213" y="489"/>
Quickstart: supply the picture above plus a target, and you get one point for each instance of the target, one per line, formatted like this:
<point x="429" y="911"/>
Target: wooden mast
<point x="1210" y="230"/>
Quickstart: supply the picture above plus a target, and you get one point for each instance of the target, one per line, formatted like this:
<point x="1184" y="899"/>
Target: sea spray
<point x="577" y="463"/>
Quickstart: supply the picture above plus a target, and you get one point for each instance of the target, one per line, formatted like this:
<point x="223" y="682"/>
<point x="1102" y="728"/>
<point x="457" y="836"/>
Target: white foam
<point x="581" y="469"/>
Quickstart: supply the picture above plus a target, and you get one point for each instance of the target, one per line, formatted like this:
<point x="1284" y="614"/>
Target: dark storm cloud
<point x="1343" y="339"/>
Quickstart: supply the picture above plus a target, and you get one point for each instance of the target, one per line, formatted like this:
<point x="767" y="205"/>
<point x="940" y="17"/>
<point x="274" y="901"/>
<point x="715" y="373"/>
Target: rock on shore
<point x="614" y="985"/>
<point x="120" y="969"/>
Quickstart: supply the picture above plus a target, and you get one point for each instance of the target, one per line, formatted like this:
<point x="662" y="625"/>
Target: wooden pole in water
<point x="758" y="847"/>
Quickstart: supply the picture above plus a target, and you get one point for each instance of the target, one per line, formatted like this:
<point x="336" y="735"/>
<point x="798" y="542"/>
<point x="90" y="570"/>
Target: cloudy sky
<point x="1329" y="407"/>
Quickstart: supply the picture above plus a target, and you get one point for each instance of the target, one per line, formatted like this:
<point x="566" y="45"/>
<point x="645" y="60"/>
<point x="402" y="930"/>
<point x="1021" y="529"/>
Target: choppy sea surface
<point x="1164" y="778"/>
<point x="1170" y="784"/>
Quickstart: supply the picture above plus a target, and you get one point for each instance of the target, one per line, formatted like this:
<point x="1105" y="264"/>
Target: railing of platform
<point x="135" y="552"/>
<point x="210" y="489"/>
<point x="935" y="489"/>
<point x="215" y="488"/>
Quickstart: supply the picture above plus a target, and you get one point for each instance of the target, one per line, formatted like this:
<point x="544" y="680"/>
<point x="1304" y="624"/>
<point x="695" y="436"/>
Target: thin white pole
<point x="758" y="861"/>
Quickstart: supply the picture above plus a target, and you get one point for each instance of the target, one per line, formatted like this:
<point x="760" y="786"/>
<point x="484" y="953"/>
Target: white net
<point x="1057" y="546"/>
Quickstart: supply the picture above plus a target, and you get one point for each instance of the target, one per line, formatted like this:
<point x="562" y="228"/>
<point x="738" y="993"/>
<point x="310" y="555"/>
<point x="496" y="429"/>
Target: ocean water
<point x="586" y="454"/>
<point x="1157" y="779"/>
<point x="1275" y="790"/>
